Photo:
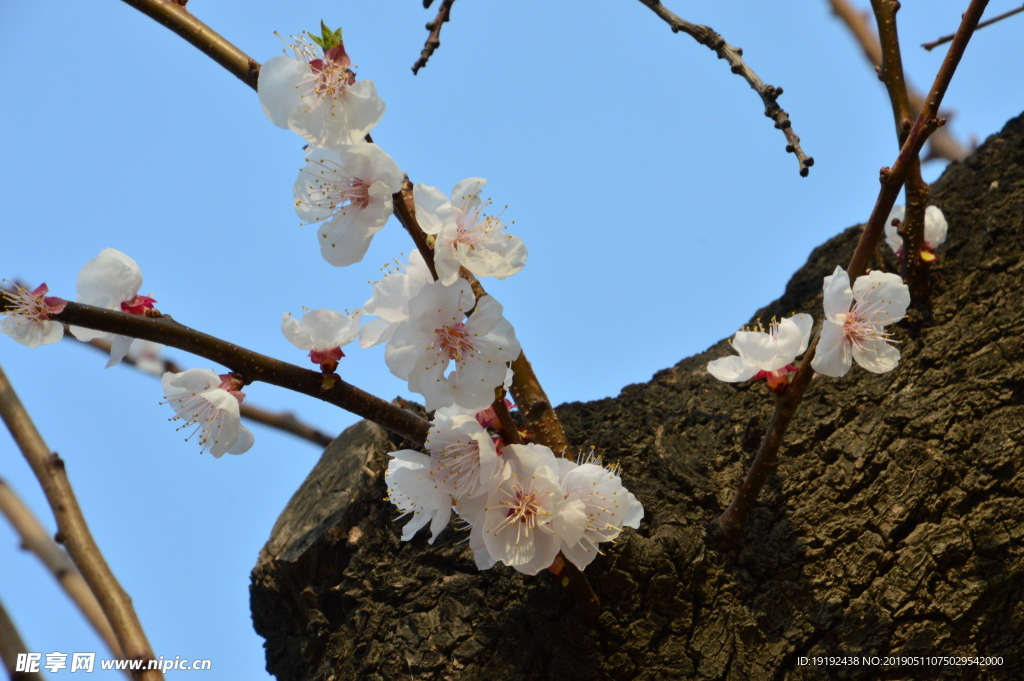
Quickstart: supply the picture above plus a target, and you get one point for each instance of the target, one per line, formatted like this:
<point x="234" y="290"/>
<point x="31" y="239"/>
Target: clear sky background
<point x="656" y="200"/>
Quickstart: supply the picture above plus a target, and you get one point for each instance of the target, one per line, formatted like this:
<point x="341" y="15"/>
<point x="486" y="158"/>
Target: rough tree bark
<point x="894" y="525"/>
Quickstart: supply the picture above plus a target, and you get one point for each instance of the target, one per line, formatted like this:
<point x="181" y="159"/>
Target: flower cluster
<point x="853" y="331"/>
<point x="348" y="186"/>
<point x="522" y="504"/>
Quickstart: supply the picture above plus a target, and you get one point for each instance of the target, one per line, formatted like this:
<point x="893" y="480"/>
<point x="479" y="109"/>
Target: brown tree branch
<point x="12" y="645"/>
<point x="36" y="539"/>
<point x="988" y="22"/>
<point x="282" y="420"/>
<point x="730" y="523"/>
<point x="174" y="16"/>
<point x="942" y="144"/>
<point x="913" y="269"/>
<point x="251" y="366"/>
<point x="706" y="36"/>
<point x="434" y="38"/>
<point x="74" y="532"/>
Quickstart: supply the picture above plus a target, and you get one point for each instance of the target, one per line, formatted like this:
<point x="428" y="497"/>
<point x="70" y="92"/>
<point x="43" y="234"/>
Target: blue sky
<point x="657" y="202"/>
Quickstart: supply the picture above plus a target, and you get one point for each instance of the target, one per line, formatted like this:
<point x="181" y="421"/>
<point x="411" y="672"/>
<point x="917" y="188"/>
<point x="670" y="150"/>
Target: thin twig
<point x="175" y="17"/>
<point x="434" y="38"/>
<point x="769" y="94"/>
<point x="282" y="420"/>
<point x="74" y="532"/>
<point x="730" y="523"/>
<point x="35" y="539"/>
<point x="913" y="269"/>
<point x="940" y="145"/>
<point x="12" y="645"/>
<point x="988" y="22"/>
<point x="250" y="366"/>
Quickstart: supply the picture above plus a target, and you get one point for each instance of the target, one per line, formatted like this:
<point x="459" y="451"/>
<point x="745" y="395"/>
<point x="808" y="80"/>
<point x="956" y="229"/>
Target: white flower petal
<point x="838" y="295"/>
<point x="832" y="356"/>
<point x="732" y="369"/>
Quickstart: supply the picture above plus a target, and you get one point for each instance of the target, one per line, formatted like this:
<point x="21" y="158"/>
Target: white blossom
<point x="438" y="333"/>
<point x="765" y="354"/>
<point x="28" y="320"/>
<point x="463" y="460"/>
<point x="323" y="332"/>
<point x="349" y="189"/>
<point x="112" y="281"/>
<point x="201" y="397"/>
<point x="391" y="296"/>
<point x="464" y="235"/>
<point x="855" y="320"/>
<point x="528" y="517"/>
<point x="935" y="229"/>
<point x="413" y="489"/>
<point x="608" y="506"/>
<point x="316" y="95"/>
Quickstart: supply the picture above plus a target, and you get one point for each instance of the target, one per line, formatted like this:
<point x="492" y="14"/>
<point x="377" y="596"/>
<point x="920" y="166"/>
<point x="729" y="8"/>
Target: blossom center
<point x="34" y="305"/>
<point x="860" y="326"/>
<point x="522" y="511"/>
<point x="460" y="464"/>
<point x="333" y="189"/>
<point x="455" y="341"/>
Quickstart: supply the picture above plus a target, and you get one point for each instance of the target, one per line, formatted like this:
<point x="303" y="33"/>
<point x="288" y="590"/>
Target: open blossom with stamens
<point x="323" y="332"/>
<point x="464" y="236"/>
<point x="317" y="96"/>
<point x="112" y="281"/>
<point x="935" y="229"/>
<point x="855" y="321"/>
<point x="391" y="296"/>
<point x="463" y="459"/>
<point x="529" y="517"/>
<point x="765" y="354"/>
<point x="413" y="489"/>
<point x="201" y="397"/>
<point x="608" y="505"/>
<point x="438" y="333"/>
<point x="350" y="190"/>
<point x="28" y="320"/>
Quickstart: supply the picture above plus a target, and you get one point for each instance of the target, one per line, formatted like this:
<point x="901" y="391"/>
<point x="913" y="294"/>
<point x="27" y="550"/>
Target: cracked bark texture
<point x="893" y="526"/>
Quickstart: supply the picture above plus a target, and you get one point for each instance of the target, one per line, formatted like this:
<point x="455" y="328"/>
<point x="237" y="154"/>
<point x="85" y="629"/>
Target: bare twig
<point x="74" y="532"/>
<point x="434" y="38"/>
<point x="12" y="645"/>
<point x="940" y="145"/>
<point x="913" y="269"/>
<point x="988" y="22"/>
<point x="769" y="94"/>
<point x="174" y="16"/>
<point x="249" y="365"/>
<point x="36" y="539"/>
<point x="282" y="420"/>
<point x="730" y="523"/>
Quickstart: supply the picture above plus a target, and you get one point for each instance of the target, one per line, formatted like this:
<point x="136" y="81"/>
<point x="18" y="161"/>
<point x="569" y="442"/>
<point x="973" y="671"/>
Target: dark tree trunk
<point x="894" y="525"/>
